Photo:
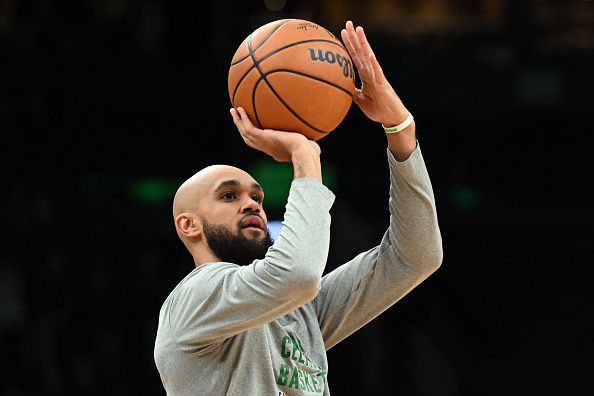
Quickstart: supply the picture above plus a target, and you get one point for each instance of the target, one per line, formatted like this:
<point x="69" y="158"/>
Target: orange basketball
<point x="293" y="75"/>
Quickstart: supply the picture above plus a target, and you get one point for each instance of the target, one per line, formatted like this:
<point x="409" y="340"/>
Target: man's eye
<point x="228" y="196"/>
<point x="257" y="198"/>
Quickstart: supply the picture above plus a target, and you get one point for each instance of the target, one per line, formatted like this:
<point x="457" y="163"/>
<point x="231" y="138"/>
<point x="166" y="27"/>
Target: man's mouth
<point x="252" y="222"/>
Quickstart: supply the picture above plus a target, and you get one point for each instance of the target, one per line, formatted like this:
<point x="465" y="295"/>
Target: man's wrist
<point x="399" y="127"/>
<point x="403" y="143"/>
<point x="306" y="163"/>
<point x="396" y="117"/>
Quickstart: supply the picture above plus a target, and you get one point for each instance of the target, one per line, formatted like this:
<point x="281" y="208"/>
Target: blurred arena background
<point x="107" y="105"/>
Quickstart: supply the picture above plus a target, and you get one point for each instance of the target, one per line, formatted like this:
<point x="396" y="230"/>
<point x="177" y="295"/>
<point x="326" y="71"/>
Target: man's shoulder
<point x="204" y="277"/>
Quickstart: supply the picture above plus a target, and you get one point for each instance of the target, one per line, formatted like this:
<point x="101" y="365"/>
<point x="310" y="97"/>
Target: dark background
<point x="107" y="105"/>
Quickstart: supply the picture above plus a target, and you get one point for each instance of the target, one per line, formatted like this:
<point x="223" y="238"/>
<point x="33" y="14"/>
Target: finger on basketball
<point x="240" y="123"/>
<point x="245" y="119"/>
<point x="234" y="115"/>
<point x="237" y="121"/>
<point x="362" y="40"/>
<point x="354" y="38"/>
<point x="350" y="48"/>
<point x="351" y="37"/>
<point x="378" y="72"/>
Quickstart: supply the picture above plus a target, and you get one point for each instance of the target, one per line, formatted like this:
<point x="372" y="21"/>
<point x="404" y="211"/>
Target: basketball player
<point x="256" y="317"/>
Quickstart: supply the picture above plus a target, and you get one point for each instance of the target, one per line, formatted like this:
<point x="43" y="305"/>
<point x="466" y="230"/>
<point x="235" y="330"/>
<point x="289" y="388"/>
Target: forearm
<point x="306" y="162"/>
<point x="409" y="252"/>
<point x="414" y="230"/>
<point x="403" y="143"/>
<point x="299" y="254"/>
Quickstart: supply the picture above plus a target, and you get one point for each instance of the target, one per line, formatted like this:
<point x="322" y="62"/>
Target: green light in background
<point x="465" y="198"/>
<point x="276" y="177"/>
<point x="153" y="190"/>
<point x="147" y="190"/>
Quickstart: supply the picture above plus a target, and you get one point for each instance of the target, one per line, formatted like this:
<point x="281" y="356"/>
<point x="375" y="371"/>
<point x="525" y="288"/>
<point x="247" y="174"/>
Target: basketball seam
<point x="263" y="78"/>
<point x="336" y="41"/>
<point x="251" y="53"/>
<point x="276" y="51"/>
<point x="312" y="77"/>
<point x="318" y="130"/>
<point x="254" y="100"/>
<point x="263" y="41"/>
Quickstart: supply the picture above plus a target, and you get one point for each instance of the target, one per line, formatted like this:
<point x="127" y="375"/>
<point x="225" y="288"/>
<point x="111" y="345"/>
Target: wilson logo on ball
<point x="331" y="57"/>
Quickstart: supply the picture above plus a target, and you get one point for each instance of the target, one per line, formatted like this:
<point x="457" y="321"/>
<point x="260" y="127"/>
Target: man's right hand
<point x="281" y="145"/>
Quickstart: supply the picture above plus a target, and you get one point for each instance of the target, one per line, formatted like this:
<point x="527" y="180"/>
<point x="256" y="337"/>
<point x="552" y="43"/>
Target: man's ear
<point x="188" y="225"/>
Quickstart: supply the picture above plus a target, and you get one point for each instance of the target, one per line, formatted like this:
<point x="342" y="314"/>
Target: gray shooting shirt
<point x="263" y="329"/>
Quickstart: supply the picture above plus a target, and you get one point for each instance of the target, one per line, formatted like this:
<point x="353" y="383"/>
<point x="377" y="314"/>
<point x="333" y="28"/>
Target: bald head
<point x="189" y="194"/>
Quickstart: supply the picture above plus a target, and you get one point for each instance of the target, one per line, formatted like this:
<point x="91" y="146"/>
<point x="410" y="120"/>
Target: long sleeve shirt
<point x="264" y="328"/>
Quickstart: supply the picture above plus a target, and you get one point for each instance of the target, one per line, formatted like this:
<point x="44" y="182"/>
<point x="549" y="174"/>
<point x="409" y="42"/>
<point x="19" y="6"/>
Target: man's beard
<point x="235" y="248"/>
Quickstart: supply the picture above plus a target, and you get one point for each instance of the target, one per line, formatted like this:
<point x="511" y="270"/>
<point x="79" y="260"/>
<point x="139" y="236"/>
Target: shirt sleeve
<point x="411" y="249"/>
<point x="219" y="300"/>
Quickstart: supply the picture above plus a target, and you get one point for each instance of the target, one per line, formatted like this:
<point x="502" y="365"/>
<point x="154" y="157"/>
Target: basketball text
<point x="331" y="57"/>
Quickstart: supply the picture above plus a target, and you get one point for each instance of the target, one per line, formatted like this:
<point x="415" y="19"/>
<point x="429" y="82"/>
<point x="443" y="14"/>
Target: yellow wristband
<point x="400" y="127"/>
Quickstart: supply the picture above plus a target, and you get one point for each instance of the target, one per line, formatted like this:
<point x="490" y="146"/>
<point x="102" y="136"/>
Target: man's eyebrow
<point x="227" y="183"/>
<point x="235" y="183"/>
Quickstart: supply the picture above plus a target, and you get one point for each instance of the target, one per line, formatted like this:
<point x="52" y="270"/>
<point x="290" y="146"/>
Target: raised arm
<point x="219" y="300"/>
<point x="358" y="291"/>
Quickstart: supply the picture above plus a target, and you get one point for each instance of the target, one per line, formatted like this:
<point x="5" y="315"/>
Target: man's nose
<point x="250" y="206"/>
